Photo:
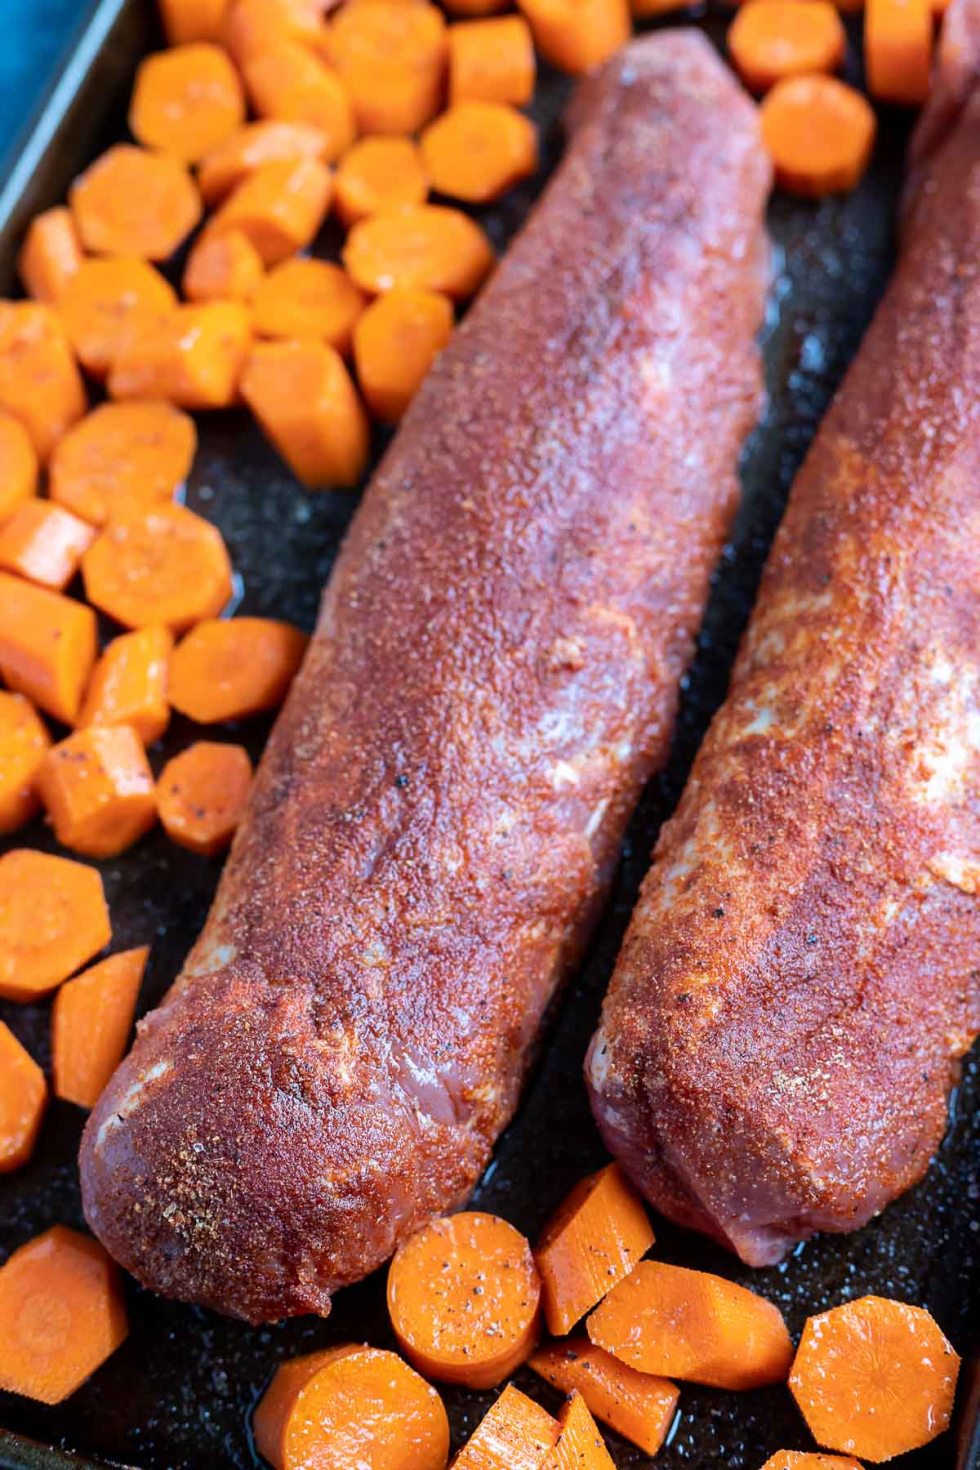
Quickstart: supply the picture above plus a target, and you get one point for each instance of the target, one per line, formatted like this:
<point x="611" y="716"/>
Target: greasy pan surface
<point x="178" y="1393"/>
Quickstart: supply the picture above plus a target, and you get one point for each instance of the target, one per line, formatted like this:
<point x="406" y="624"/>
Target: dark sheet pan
<point x="179" y="1393"/>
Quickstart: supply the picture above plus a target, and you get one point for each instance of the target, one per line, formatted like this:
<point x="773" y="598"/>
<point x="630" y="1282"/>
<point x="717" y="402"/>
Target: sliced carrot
<point x="18" y="465"/>
<point x="392" y="59"/>
<point x="47" y="646"/>
<point x="874" y="1378"/>
<point x="692" y="1325"/>
<point x="819" y="133"/>
<point x="39" y="381"/>
<point x="228" y="165"/>
<point x="53" y="918"/>
<point x="129" y="684"/>
<point x="97" y="789"/>
<point x="132" y="202"/>
<point x="377" y="174"/>
<point x="23" y="743"/>
<point x="288" y="83"/>
<point x="103" y="298"/>
<point x="275" y="1405"/>
<point x="639" y="1406"/>
<point x="23" y="1097"/>
<point x="122" y="457"/>
<point x="367" y="1408"/>
<point x="516" y="1434"/>
<point x="91" y="1020"/>
<point x="186" y="101"/>
<point x="476" y="151"/>
<point x="396" y="342"/>
<point x="191" y="356"/>
<point x="61" y="1314"/>
<point x="898" y="40"/>
<point x="202" y="794"/>
<point x="491" y="61"/>
<point x="252" y="26"/>
<point x="165" y="567"/>
<point x="192" y="20"/>
<point x="50" y="255"/>
<point x="279" y="207"/>
<point x="302" y="395"/>
<point x="428" y="246"/>
<point x="222" y="268"/>
<point x="800" y="1460"/>
<point x="580" y="1445"/>
<point x="231" y="668"/>
<point x="592" y="1242"/>
<point x="308" y="298"/>
<point x="577" y="35"/>
<point x="463" y="1297"/>
<point x="44" y="543"/>
<point x="771" y="39"/>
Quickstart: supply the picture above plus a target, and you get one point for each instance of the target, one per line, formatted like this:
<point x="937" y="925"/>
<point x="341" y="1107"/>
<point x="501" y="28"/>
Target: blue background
<point x="34" y="34"/>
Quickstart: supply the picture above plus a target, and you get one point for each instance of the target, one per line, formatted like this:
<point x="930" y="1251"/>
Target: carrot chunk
<point x="819" y="133"/>
<point x="186" y="101"/>
<point x="253" y="26"/>
<point x="228" y="165"/>
<point x="391" y="58"/>
<point x="129" y="684"/>
<point x="592" y="1242"/>
<point x="235" y="667"/>
<point x="396" y="342"/>
<point x="275" y="1405"/>
<point x="50" y="255"/>
<point x="132" y="202"/>
<point x="91" y="1020"/>
<point x="516" y="1434"/>
<point x="53" y="918"/>
<point x="39" y="381"/>
<point x="463" y="1297"/>
<point x="23" y="743"/>
<point x="97" y="789"/>
<point x="491" y="61"/>
<point x="192" y="20"/>
<point x="800" y="1460"/>
<point x="202" y="794"/>
<point x="577" y="35"/>
<point x="166" y="567"/>
<point x="874" y="1378"/>
<point x="428" y="246"/>
<point x="377" y="174"/>
<point x="61" y="1314"/>
<point x="639" y="1406"/>
<point x="23" y="1097"/>
<point x="44" y="543"/>
<point x="580" y="1445"/>
<point x="280" y="207"/>
<point x="47" y="646"/>
<point x="308" y="298"/>
<point x="103" y="298"/>
<point x="898" y="39"/>
<point x="302" y="395"/>
<point x="771" y="39"/>
<point x="122" y="457"/>
<point x="222" y="268"/>
<point x="191" y="356"/>
<point x="18" y="465"/>
<point x="288" y="83"/>
<point x="692" y="1325"/>
<point x="478" y="150"/>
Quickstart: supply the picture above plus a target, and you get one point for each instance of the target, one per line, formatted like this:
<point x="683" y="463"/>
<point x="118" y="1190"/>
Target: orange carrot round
<point x="129" y="684"/>
<point x="578" y="35"/>
<point x="396" y="342"/>
<point x="276" y="1403"/>
<point x="166" y="566"/>
<point x="874" y="1378"/>
<point x="391" y="58"/>
<point x="639" y="1406"/>
<point x="102" y="299"/>
<point x="308" y="298"/>
<point x="39" y="378"/>
<point x="253" y="26"/>
<point x="53" y="918"/>
<point x="478" y="150"/>
<point x="228" y="165"/>
<point x="463" y="1297"/>
<point x="61" y="1314"/>
<point x="771" y="39"/>
<point x="288" y="83"/>
<point x="223" y="267"/>
<point x="191" y="356"/>
<point x="898" y="42"/>
<point x="186" y="101"/>
<point x="492" y="61"/>
<point x="50" y="254"/>
<point x="47" y="646"/>
<point x="97" y="789"/>
<point x="302" y="395"/>
<point x="132" y="202"/>
<point x="18" y="465"/>
<point x="91" y="1021"/>
<point x="428" y="246"/>
<point x="231" y="668"/>
<point x="23" y="1095"/>
<point x="122" y="457"/>
<point x="377" y="174"/>
<point x="819" y="133"/>
<point x="23" y="743"/>
<point x="279" y="207"/>
<point x="515" y="1434"/>
<point x="192" y="20"/>
<point x="202" y="793"/>
<point x="44" y="543"/>
<point x="801" y="1460"/>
